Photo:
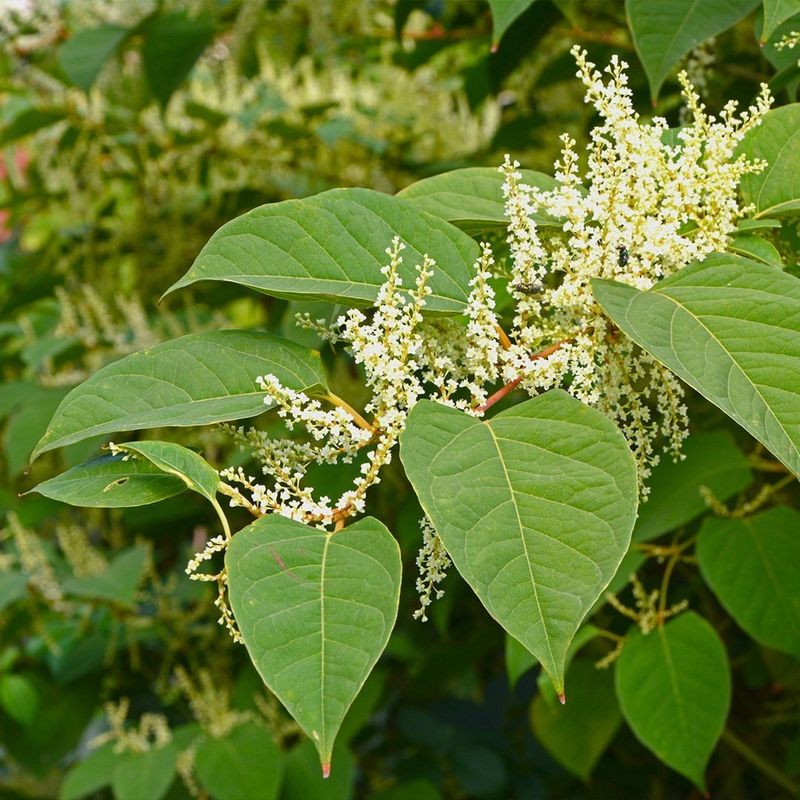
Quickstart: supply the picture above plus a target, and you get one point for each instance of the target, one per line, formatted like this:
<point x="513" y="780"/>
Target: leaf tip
<point x="326" y="770"/>
<point x="495" y="47"/>
<point x="562" y="698"/>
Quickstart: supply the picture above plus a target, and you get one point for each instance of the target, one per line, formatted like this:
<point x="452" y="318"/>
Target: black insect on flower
<point x="623" y="256"/>
<point x="528" y="288"/>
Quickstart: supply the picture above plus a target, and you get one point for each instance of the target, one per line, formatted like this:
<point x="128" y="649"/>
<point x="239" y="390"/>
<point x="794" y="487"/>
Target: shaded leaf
<point x="144" y="775"/>
<point x="19" y="698"/>
<point x="82" y="56"/>
<point x="674" y="688"/>
<point x="713" y="460"/>
<point x="535" y="507"/>
<point x="90" y="774"/>
<point x="664" y="31"/>
<point x="315" y="611"/>
<point x="13" y="587"/>
<point x="117" y="583"/>
<point x="730" y="328"/>
<point x="775" y="190"/>
<point x="756" y="248"/>
<point x="27" y="122"/>
<point x="194" y="380"/>
<point x="332" y="246"/>
<point x="240" y="766"/>
<point x="504" y="12"/>
<point x="753" y="566"/>
<point x="577" y="734"/>
<point x="472" y="198"/>
<point x="111" y="482"/>
<point x="303" y="781"/>
<point x="173" y="43"/>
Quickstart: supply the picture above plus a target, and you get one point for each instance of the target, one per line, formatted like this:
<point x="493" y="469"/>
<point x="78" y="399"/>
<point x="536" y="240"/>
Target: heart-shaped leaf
<point x="194" y="380"/>
<point x="674" y="688"/>
<point x="730" y="328"/>
<point x="535" y="507"/>
<point x="753" y="566"/>
<point x="315" y="611"/>
<point x="332" y="246"/>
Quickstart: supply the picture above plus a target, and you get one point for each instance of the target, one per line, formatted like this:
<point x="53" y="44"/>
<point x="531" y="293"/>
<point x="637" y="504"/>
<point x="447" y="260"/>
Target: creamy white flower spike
<point x="651" y="201"/>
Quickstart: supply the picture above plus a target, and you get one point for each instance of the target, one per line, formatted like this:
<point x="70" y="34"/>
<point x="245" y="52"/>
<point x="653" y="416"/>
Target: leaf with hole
<point x="194" y="380"/>
<point x="332" y="247"/>
<point x="730" y="328"/>
<point x="674" y="688"/>
<point x="111" y="481"/>
<point x="535" y="507"/>
<point x="315" y="611"/>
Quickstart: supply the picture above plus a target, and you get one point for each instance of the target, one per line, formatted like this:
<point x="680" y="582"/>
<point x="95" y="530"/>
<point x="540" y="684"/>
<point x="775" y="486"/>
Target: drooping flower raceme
<point x="651" y="201"/>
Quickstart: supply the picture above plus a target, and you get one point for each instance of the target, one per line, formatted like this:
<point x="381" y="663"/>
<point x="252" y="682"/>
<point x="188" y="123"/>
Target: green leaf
<point x="535" y="507"/>
<point x="674" y="688"/>
<point x="664" y="31"/>
<point x="174" y="459"/>
<point x="730" y="328"/>
<point x="776" y="12"/>
<point x="775" y="191"/>
<point x="19" y="698"/>
<point x="518" y="660"/>
<point x="173" y="43"/>
<point x="712" y="459"/>
<point x="117" y="583"/>
<point x="756" y="248"/>
<point x="111" y="482"/>
<point x="315" y="611"/>
<point x="504" y="12"/>
<point x="302" y="780"/>
<point x="332" y="246"/>
<point x="27" y="122"/>
<point x="26" y="425"/>
<point x="240" y="766"/>
<point x="82" y="56"/>
<point x="753" y="566"/>
<point x="472" y="198"/>
<point x="144" y="775"/>
<point x="577" y="734"/>
<point x="13" y="587"/>
<point x="89" y="775"/>
<point x="194" y="380"/>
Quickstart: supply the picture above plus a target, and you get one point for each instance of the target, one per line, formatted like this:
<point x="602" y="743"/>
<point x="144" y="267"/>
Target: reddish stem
<point x="509" y="387"/>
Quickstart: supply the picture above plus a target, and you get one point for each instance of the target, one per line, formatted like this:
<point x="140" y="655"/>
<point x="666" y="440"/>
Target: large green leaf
<point x="753" y="566"/>
<point x="111" y="482"/>
<point x="674" y="688"/>
<point x="577" y="734"/>
<point x="184" y="464"/>
<point x="472" y="198"/>
<point x="774" y="191"/>
<point x="82" y="56"/>
<point x="504" y="12"/>
<point x="194" y="380"/>
<point x="713" y="460"/>
<point x="776" y="12"/>
<point x="173" y="43"/>
<point x="243" y="765"/>
<point x="315" y="611"/>
<point x="664" y="31"/>
<point x="332" y="246"/>
<point x="535" y="507"/>
<point x="730" y="328"/>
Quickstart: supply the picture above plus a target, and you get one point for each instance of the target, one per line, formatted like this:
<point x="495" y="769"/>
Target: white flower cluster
<point x="432" y="562"/>
<point x="789" y="41"/>
<point x="650" y="202"/>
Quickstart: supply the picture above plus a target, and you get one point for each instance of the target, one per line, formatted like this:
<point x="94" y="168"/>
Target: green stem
<point x="760" y="763"/>
<point x="222" y="518"/>
<point x="335" y="400"/>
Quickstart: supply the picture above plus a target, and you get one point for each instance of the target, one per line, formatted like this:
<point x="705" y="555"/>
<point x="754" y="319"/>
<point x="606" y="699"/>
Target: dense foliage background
<point x="130" y="132"/>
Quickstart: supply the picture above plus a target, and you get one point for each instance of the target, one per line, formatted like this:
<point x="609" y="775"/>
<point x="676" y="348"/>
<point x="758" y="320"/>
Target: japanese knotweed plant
<point x="623" y="280"/>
